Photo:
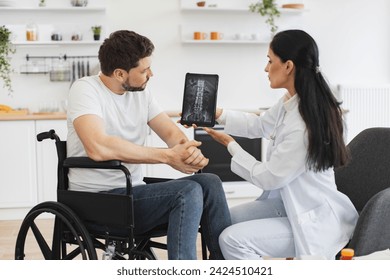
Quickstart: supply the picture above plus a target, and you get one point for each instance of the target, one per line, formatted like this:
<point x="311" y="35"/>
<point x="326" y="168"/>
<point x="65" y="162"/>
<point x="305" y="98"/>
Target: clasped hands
<point x="190" y="158"/>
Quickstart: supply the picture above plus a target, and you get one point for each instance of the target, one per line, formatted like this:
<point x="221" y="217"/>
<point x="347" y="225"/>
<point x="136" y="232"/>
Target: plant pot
<point x="96" y="37"/>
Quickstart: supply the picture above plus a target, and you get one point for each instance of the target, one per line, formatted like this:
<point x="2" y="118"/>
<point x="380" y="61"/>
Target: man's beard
<point x="127" y="87"/>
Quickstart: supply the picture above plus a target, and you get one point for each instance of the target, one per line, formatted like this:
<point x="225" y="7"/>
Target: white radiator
<point x="367" y="106"/>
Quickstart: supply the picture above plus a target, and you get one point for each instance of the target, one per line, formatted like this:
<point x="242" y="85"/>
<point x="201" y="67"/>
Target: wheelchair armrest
<point x="151" y="180"/>
<point x="86" y="162"/>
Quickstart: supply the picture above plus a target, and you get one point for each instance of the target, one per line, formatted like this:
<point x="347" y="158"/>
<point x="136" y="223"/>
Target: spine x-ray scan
<point x="200" y="99"/>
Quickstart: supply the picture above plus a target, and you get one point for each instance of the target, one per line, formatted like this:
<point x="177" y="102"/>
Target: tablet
<point x="199" y="99"/>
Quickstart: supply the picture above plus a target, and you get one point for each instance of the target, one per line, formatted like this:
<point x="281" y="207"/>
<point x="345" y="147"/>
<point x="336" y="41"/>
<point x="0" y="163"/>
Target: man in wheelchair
<point x="108" y="118"/>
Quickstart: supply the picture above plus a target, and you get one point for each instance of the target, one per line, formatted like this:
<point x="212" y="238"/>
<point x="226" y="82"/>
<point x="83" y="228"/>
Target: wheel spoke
<point x="72" y="255"/>
<point x="45" y="249"/>
<point x="56" y="243"/>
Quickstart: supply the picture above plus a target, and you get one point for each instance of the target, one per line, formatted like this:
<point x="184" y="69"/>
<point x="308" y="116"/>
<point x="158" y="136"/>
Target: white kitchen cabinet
<point x="18" y="187"/>
<point x="240" y="192"/>
<point x="28" y="168"/>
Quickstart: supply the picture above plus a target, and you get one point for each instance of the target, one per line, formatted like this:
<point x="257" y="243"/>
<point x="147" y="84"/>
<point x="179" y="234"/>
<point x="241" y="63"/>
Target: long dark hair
<point x="318" y="107"/>
<point x="122" y="50"/>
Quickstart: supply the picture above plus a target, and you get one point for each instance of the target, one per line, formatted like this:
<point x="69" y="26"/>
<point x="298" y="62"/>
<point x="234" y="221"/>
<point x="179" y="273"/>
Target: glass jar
<point x="32" y="32"/>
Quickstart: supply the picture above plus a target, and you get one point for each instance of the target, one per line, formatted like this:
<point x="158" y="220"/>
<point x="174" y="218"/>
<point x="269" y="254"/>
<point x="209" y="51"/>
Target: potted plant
<point x="96" y="29"/>
<point x="268" y="9"/>
<point x="6" y="48"/>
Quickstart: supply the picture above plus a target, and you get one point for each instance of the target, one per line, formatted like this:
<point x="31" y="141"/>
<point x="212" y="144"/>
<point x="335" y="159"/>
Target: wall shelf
<point x="54" y="9"/>
<point x="55" y="43"/>
<point x="214" y="9"/>
<point x="239" y="10"/>
<point x="223" y="41"/>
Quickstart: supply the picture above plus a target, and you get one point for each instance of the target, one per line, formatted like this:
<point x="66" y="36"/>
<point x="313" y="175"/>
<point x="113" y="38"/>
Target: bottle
<point x="347" y="254"/>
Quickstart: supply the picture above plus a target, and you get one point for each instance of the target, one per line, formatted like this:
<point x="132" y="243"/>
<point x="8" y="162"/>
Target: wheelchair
<point x="85" y="222"/>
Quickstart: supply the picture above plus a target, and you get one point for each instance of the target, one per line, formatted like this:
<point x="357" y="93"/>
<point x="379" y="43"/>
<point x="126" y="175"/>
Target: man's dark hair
<point x="123" y="50"/>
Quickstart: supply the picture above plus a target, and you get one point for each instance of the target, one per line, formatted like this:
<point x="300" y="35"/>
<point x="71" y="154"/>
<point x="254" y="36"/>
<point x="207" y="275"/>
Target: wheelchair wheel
<point x="65" y="237"/>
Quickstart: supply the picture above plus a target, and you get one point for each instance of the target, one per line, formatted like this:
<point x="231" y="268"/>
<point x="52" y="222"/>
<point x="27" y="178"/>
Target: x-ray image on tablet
<point x="200" y="99"/>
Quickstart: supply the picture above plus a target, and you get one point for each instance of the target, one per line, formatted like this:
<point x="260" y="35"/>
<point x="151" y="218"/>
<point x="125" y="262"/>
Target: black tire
<point x="67" y="231"/>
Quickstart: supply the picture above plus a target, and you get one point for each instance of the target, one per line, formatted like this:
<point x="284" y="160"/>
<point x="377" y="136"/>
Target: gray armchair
<point x="372" y="232"/>
<point x="366" y="181"/>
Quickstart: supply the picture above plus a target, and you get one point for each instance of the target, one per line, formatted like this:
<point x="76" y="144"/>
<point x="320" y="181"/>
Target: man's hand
<point x="196" y="158"/>
<point x="187" y="158"/>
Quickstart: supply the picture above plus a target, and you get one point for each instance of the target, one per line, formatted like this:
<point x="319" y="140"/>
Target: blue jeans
<point x="183" y="204"/>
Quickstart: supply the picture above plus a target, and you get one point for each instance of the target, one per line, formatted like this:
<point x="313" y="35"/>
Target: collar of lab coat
<point x="291" y="103"/>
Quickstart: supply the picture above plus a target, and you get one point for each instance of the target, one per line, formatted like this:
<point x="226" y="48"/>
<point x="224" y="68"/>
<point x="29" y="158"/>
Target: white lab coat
<point x="321" y="217"/>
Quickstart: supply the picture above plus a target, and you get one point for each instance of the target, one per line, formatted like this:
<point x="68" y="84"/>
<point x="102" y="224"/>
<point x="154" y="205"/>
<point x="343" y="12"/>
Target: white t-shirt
<point x="125" y="116"/>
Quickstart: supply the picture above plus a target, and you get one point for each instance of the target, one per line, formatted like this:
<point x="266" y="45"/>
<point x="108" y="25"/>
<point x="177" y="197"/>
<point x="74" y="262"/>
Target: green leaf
<point x="6" y="48"/>
<point x="268" y="9"/>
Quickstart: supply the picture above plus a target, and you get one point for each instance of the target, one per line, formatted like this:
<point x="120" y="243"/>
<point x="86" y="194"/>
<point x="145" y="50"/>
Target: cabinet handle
<point x="230" y="192"/>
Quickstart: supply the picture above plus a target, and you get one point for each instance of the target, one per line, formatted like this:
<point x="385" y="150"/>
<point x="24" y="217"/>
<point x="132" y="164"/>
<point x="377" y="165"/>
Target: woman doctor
<point x="300" y="212"/>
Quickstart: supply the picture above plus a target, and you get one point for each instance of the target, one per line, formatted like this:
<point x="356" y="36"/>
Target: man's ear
<point x="289" y="67"/>
<point x="119" y="74"/>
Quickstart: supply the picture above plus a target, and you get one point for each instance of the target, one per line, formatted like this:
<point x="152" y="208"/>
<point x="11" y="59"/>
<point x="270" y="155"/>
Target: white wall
<point x="353" y="37"/>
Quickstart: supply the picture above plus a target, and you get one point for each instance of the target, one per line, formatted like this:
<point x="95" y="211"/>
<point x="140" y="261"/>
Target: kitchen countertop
<point x="52" y="116"/>
<point x="62" y="116"/>
<point x="33" y="116"/>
